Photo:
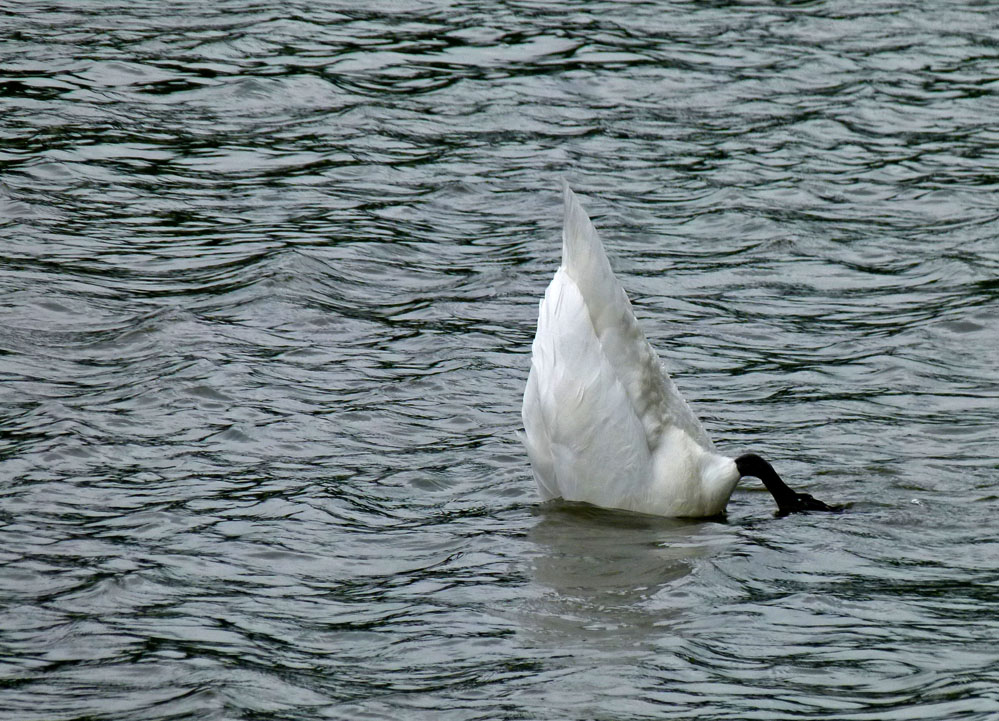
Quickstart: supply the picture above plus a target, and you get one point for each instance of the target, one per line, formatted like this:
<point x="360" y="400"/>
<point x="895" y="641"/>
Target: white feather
<point x="604" y="424"/>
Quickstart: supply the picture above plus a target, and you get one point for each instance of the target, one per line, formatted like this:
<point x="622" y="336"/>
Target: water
<point x="268" y="285"/>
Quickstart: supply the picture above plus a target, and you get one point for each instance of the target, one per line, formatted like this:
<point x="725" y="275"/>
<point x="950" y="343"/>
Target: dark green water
<point x="268" y="280"/>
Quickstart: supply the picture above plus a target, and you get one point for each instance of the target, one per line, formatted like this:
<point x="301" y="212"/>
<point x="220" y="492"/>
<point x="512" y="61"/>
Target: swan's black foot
<point x="805" y="502"/>
<point x="788" y="500"/>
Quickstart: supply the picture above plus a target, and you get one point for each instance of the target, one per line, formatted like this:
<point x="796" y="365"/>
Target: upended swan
<point x="604" y="424"/>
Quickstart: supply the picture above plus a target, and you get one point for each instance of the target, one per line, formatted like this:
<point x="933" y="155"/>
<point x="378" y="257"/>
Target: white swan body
<point x="604" y="424"/>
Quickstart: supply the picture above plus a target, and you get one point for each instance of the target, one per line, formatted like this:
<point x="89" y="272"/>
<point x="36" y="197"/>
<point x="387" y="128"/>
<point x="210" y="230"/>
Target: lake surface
<point x="269" y="276"/>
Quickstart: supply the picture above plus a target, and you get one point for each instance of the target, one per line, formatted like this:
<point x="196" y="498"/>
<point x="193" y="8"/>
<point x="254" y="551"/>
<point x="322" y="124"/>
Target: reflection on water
<point x="269" y="276"/>
<point x="606" y="556"/>
<point x="611" y="577"/>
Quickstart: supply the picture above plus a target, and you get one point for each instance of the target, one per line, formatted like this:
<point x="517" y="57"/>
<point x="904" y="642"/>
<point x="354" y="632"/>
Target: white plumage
<point x="604" y="424"/>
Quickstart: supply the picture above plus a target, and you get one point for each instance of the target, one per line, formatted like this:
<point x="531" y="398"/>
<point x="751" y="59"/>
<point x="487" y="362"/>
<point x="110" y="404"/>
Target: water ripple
<point x="268" y="283"/>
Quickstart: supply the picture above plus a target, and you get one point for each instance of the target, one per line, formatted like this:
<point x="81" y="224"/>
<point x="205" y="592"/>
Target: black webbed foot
<point x="803" y="502"/>
<point x="788" y="501"/>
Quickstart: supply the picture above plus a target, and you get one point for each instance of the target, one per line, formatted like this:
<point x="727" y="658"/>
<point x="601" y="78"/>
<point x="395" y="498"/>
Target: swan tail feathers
<point x="653" y="394"/>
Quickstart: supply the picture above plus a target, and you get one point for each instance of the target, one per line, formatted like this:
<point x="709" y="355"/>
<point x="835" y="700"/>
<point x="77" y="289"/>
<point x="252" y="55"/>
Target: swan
<point x="604" y="424"/>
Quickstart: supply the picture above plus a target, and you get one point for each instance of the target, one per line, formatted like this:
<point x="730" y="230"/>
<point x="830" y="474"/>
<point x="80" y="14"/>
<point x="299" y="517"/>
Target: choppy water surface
<point x="268" y="285"/>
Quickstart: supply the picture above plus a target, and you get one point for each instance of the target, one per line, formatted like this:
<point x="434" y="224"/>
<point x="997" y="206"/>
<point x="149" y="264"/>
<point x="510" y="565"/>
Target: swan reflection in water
<point x="616" y="575"/>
